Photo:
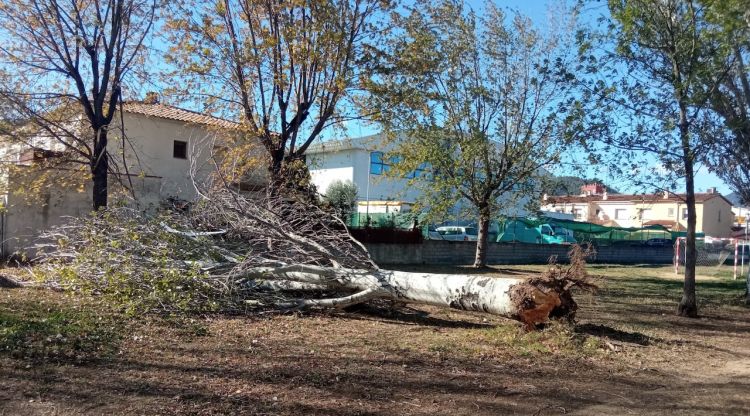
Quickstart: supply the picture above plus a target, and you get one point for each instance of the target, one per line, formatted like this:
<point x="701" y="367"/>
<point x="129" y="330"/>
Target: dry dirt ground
<point x="626" y="354"/>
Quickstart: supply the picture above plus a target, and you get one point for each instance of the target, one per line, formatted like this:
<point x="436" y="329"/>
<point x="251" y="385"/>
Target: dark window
<point x="180" y="150"/>
<point x="422" y="171"/>
<point x="377" y="165"/>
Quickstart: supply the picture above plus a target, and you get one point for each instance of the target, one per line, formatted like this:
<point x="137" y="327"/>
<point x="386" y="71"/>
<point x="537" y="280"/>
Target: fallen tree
<point x="233" y="252"/>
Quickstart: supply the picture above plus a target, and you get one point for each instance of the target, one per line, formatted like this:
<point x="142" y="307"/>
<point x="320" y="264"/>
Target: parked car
<point x="658" y="242"/>
<point x="564" y="233"/>
<point x="456" y="233"/>
<point x="524" y="232"/>
<point x="432" y="233"/>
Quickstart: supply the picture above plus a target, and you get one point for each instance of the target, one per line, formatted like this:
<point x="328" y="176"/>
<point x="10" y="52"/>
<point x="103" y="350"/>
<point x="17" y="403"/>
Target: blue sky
<point x="538" y="11"/>
<point x="578" y="165"/>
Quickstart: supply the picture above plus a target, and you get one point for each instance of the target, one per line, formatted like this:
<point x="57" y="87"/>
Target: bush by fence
<point x="387" y="236"/>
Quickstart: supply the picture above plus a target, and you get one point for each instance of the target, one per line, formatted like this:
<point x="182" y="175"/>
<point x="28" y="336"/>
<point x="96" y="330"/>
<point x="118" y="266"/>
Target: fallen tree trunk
<point x="223" y="262"/>
<point x="531" y="301"/>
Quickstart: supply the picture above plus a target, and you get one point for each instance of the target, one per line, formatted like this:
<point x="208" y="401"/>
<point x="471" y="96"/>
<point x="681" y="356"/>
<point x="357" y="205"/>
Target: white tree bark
<point x="525" y="300"/>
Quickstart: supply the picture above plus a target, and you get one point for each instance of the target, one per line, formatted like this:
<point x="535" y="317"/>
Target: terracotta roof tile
<point x="174" y="113"/>
<point x="649" y="198"/>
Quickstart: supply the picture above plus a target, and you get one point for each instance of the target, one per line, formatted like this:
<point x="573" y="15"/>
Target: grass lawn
<point x="626" y="354"/>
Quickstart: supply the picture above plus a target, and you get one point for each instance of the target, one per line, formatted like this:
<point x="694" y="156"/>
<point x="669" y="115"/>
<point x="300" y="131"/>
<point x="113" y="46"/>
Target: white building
<point x="741" y="211"/>
<point x="361" y="160"/>
<point x="157" y="152"/>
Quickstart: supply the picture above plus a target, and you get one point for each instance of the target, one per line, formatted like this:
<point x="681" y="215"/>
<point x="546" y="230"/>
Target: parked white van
<point x="456" y="233"/>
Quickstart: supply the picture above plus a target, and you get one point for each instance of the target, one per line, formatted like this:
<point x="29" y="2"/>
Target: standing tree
<point x="475" y="105"/>
<point x="648" y="100"/>
<point x="67" y="63"/>
<point x="730" y="159"/>
<point x="287" y="66"/>
<point x="731" y="100"/>
<point x="342" y="197"/>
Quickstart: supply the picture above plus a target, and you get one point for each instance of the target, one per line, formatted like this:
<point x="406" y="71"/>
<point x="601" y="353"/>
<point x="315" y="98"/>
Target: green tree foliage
<point x="646" y="95"/>
<point x="342" y="197"/>
<point x="288" y="67"/>
<point x="730" y="160"/>
<point x="136" y="265"/>
<point x="474" y="105"/>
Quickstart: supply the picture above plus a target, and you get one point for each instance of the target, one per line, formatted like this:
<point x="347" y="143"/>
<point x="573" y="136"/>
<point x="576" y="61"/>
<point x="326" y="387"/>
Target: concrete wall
<point x="460" y="253"/>
<point x="326" y="168"/>
<point x="608" y="211"/>
<point x="35" y="205"/>
<point x="36" y="200"/>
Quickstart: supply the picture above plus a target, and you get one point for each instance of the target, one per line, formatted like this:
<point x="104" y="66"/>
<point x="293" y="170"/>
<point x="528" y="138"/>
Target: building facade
<point x="363" y="161"/>
<point x="359" y="160"/>
<point x="156" y="152"/>
<point x="714" y="212"/>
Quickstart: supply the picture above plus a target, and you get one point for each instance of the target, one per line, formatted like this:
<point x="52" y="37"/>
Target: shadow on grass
<point x="284" y="379"/>
<point x="651" y="303"/>
<point x="615" y="334"/>
<point x="404" y="315"/>
<point x="606" y="266"/>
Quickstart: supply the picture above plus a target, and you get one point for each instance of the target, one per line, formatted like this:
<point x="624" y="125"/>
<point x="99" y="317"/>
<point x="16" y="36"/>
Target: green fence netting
<point x="582" y="231"/>
<point x="601" y="234"/>
<point x="399" y="220"/>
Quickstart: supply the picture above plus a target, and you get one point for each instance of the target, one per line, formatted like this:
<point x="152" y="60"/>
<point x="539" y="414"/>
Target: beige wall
<point x="608" y="212"/>
<point x="40" y="201"/>
<point x="717" y="218"/>
<point x="708" y="221"/>
<point x="584" y="208"/>
<point x="660" y="210"/>
<point x="149" y="152"/>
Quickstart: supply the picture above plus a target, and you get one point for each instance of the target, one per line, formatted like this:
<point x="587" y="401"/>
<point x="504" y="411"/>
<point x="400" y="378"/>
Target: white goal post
<point x="714" y="252"/>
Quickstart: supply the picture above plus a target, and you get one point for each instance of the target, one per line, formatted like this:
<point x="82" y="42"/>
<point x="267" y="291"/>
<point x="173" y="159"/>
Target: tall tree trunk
<point x="100" y="169"/>
<point x="480" y="258"/>
<point x="688" y="306"/>
<point x="275" y="175"/>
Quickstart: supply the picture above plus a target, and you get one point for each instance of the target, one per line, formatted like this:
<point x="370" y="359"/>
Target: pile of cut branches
<point x="232" y="251"/>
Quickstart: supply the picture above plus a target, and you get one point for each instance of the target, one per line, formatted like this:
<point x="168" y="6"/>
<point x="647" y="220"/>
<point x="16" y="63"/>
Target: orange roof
<point x="666" y="223"/>
<point x="670" y="224"/>
<point x="174" y="113"/>
<point x="645" y="198"/>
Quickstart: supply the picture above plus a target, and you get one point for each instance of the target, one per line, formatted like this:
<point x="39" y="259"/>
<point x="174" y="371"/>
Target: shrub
<point x="342" y="197"/>
<point x="135" y="263"/>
